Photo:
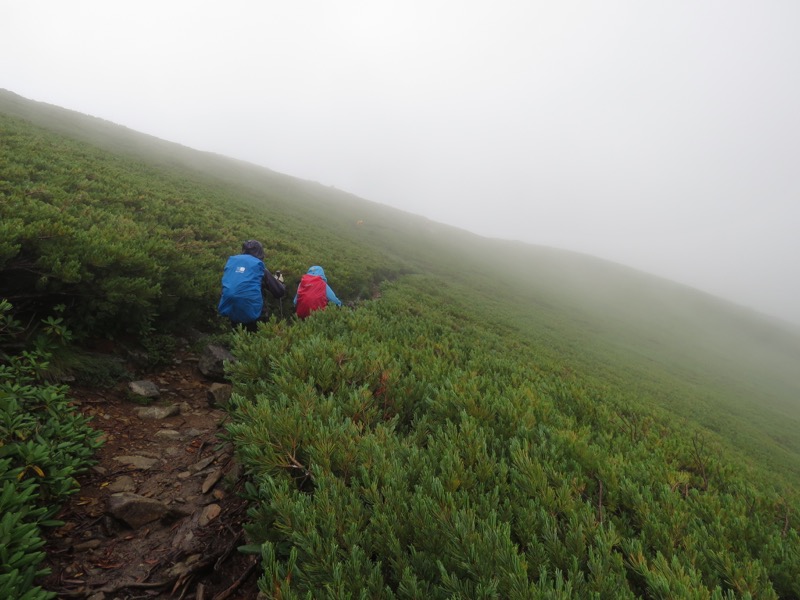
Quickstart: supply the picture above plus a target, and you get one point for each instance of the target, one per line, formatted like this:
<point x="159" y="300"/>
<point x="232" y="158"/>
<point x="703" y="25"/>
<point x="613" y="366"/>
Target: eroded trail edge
<point x="160" y="515"/>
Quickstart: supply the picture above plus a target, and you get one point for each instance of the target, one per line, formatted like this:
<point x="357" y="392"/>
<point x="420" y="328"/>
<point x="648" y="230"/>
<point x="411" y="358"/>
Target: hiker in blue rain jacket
<point x="314" y="293"/>
<point x="245" y="280"/>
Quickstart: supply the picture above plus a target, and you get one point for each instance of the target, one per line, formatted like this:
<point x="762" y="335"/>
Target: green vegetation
<point x="402" y="450"/>
<point x="128" y="247"/>
<point x="44" y="444"/>
<point x="486" y="419"/>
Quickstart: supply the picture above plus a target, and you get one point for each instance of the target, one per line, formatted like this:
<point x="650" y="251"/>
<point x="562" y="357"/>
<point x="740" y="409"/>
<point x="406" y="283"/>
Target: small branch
<point x="227" y="552"/>
<point x="113" y="589"/>
<point x="295" y="464"/>
<point x="185" y="588"/>
<point x="237" y="584"/>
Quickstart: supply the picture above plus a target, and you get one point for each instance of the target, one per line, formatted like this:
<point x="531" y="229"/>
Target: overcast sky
<point x="664" y="135"/>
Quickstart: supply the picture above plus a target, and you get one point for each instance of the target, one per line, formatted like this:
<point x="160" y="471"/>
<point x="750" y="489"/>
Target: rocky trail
<point x="160" y="515"/>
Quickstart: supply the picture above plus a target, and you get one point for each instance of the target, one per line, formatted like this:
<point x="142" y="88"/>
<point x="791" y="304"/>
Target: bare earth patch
<point x="160" y="515"/>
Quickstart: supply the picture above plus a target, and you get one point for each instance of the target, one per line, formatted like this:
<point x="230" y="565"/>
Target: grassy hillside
<point x="580" y="427"/>
<point x="407" y="450"/>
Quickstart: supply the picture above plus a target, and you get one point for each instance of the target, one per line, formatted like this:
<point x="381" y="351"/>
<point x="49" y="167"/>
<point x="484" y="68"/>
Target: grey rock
<point x="193" y="335"/>
<point x="135" y="510"/>
<point x="122" y="484"/>
<point x="180" y="510"/>
<point x="211" y="480"/>
<point x="167" y="434"/>
<point x="87" y="545"/>
<point x="212" y="362"/>
<point x="183" y="540"/>
<point x="144" y="388"/>
<point x="149" y="454"/>
<point x="157" y="412"/>
<point x="219" y="394"/>
<point x="235" y="471"/>
<point x="203" y="463"/>
<point x="182" y="568"/>
<point x="209" y="513"/>
<point x="138" y="462"/>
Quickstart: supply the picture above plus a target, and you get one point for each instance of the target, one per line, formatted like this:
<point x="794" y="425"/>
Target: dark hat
<point x="253" y="248"/>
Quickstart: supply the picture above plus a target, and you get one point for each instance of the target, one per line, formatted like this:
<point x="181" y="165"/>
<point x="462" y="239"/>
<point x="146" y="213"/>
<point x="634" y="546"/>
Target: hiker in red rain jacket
<point x="314" y="293"/>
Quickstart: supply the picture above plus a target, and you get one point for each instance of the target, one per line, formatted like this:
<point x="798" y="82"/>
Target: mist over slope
<point x="694" y="355"/>
<point x="482" y="419"/>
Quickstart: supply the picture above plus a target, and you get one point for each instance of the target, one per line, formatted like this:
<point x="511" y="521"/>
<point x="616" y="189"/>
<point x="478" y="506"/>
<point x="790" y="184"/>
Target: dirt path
<point x="160" y="515"/>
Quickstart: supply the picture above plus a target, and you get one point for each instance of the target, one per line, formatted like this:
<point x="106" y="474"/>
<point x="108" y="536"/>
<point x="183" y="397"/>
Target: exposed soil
<point x="190" y="552"/>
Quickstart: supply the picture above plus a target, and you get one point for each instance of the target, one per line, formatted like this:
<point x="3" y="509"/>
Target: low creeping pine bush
<point x="44" y="444"/>
<point x="406" y="450"/>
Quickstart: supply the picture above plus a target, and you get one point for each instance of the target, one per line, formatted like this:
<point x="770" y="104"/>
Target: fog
<point x="664" y="136"/>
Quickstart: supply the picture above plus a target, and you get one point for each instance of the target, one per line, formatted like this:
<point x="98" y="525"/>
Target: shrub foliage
<point x="406" y="452"/>
<point x="44" y="444"/>
<point x="418" y="445"/>
<point x="130" y="247"/>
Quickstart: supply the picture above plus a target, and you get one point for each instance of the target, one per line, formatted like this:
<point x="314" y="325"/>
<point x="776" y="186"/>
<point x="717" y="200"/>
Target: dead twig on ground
<point x="237" y="584"/>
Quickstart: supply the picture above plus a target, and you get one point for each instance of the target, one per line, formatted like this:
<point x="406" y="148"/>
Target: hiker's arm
<point x="272" y="285"/>
<point x="331" y="296"/>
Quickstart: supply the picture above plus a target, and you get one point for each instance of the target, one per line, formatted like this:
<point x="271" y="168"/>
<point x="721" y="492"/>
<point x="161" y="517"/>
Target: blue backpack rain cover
<point x="241" y="299"/>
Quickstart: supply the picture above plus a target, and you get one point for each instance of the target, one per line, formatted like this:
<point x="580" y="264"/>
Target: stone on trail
<point x="212" y="361"/>
<point x="144" y="388"/>
<point x="209" y="513"/>
<point x="184" y="567"/>
<point x="157" y="412"/>
<point x="191" y="433"/>
<point x="167" y="434"/>
<point x="203" y="463"/>
<point x="138" y="462"/>
<point x="218" y="394"/>
<point x="124" y="483"/>
<point x="211" y="480"/>
<point x="136" y="510"/>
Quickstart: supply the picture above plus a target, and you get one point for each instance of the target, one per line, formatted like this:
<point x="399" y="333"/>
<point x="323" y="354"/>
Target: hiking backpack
<point x="312" y="294"/>
<point x="241" y="299"/>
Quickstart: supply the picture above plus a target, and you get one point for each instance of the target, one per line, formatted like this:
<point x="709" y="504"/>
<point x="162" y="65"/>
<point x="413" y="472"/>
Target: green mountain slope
<point x="694" y="354"/>
<point x="576" y="425"/>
